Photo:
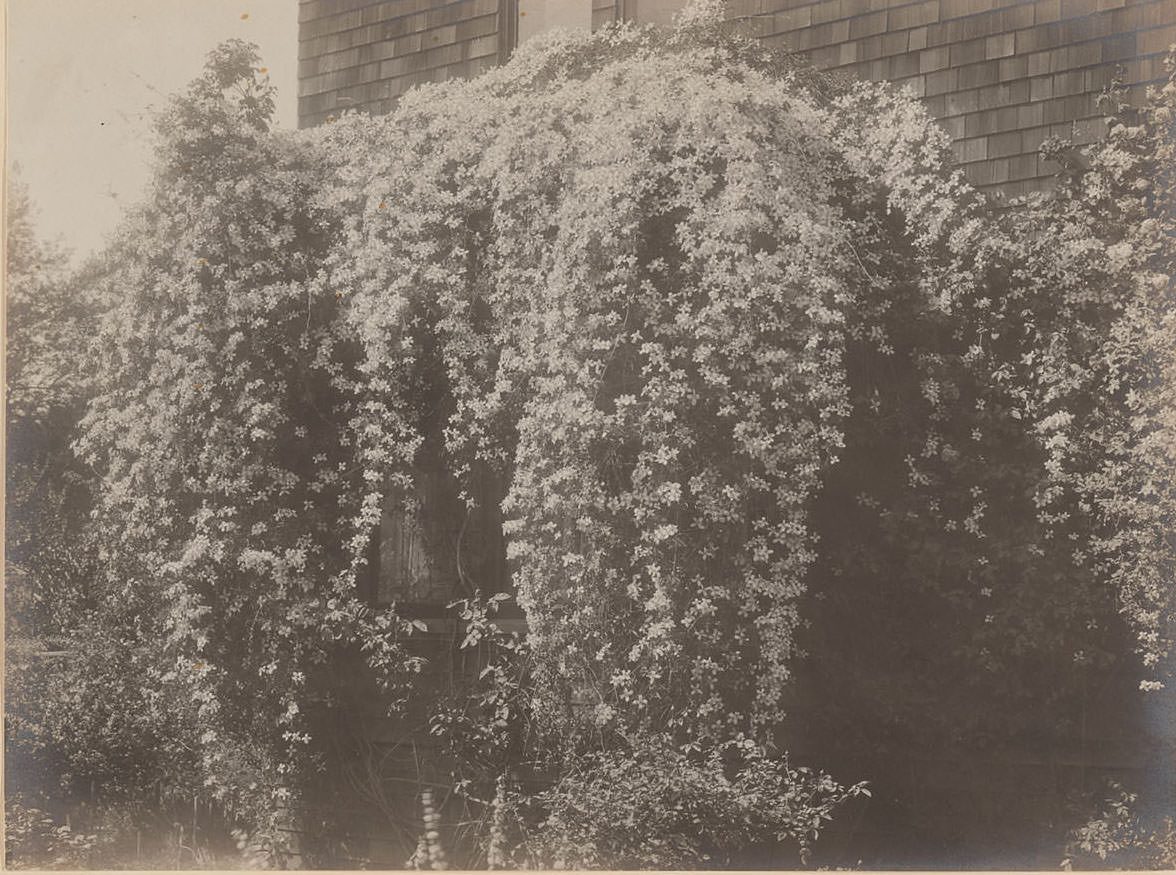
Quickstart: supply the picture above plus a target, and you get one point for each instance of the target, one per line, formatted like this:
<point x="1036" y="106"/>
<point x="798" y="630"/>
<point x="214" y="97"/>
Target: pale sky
<point x="83" y="76"/>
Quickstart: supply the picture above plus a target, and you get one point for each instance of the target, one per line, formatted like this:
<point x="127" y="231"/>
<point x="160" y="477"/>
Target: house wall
<point x="1000" y="75"/>
<point x="359" y="54"/>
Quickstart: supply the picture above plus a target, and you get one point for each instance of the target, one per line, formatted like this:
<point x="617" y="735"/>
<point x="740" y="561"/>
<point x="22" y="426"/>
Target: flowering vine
<point x="666" y="293"/>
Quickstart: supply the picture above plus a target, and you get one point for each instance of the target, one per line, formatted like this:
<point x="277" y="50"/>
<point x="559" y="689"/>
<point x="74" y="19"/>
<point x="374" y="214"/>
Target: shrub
<point x="34" y="840"/>
<point x="649" y="804"/>
<point x="1120" y="838"/>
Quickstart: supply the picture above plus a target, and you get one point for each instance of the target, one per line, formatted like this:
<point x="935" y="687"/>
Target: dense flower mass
<point x="634" y="275"/>
<point x="732" y="342"/>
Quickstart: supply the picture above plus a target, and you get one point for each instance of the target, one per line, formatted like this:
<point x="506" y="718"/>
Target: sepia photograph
<point x="590" y="435"/>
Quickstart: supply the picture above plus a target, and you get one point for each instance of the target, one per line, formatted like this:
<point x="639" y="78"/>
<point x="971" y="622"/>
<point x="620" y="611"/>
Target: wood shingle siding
<point x="1001" y="76"/>
<point x="362" y="55"/>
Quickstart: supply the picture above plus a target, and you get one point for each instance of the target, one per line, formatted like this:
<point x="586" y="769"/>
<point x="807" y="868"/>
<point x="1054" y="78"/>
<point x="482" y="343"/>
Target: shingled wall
<point x="359" y="54"/>
<point x="1000" y="75"/>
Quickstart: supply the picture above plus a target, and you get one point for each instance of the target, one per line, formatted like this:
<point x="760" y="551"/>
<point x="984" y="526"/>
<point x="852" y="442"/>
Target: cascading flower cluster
<point x="223" y="430"/>
<point x="636" y="273"/>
